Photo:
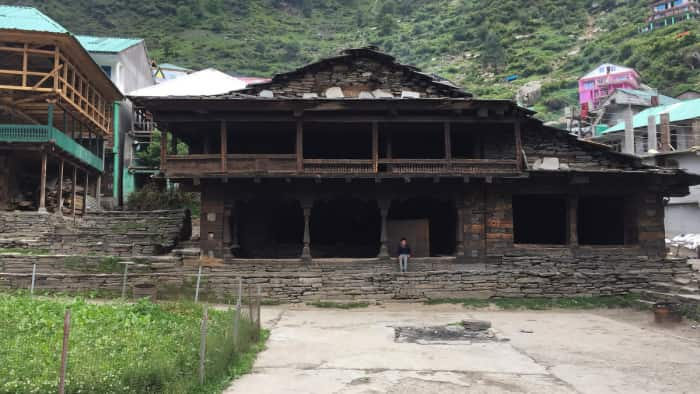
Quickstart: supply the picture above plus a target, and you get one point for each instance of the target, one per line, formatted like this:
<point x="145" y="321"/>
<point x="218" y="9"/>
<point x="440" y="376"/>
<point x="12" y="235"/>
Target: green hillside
<point x="475" y="43"/>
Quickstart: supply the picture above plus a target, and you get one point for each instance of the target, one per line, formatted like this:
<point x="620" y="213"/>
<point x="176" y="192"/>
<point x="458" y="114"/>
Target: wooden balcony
<point x="215" y="165"/>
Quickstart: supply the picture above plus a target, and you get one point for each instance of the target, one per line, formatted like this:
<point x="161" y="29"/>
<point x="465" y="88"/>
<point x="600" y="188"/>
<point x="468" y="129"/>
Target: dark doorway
<point x="345" y="228"/>
<point x="601" y="220"/>
<point x="441" y="217"/>
<point x="539" y="220"/>
<point x="269" y="229"/>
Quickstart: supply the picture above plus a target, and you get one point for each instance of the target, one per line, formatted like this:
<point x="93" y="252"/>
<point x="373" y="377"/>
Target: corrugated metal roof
<point x="602" y="70"/>
<point x="28" y="18"/>
<point x="107" y="44"/>
<point x="683" y="110"/>
<point x="663" y="100"/>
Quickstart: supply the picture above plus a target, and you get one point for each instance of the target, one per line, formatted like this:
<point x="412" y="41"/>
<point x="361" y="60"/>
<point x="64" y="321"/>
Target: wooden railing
<point x="61" y="77"/>
<point x="338" y="166"/>
<point x="287" y="164"/>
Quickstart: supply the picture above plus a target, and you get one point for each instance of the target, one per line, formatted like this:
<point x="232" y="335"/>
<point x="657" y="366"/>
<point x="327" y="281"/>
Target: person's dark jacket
<point x="404" y="250"/>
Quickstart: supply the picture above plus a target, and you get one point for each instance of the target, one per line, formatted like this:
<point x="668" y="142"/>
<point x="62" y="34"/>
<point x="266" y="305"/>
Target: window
<point x="540" y="219"/>
<point x="107" y="70"/>
<point x="605" y="220"/>
<point x="588" y="85"/>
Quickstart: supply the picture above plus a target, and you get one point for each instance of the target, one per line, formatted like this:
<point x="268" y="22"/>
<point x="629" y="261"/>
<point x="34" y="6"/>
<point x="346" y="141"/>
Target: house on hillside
<point x="669" y="12"/>
<point x="56" y="112"/>
<point x="126" y="62"/>
<point x="595" y="87"/>
<point x="667" y="136"/>
<point x="344" y="156"/>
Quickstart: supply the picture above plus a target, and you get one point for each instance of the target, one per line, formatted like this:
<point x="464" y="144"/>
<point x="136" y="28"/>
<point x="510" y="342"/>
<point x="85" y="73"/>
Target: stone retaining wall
<point x="555" y="275"/>
<point x="117" y="233"/>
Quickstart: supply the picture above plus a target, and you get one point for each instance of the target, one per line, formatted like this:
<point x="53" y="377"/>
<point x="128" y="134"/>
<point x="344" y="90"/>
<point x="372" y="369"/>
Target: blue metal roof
<point x="107" y="44"/>
<point x="28" y="18"/>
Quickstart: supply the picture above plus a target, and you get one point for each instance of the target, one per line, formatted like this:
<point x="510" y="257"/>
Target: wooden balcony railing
<point x="287" y="164"/>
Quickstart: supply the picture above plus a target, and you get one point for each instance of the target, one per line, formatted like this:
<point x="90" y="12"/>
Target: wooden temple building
<point x="343" y="157"/>
<point x="56" y="109"/>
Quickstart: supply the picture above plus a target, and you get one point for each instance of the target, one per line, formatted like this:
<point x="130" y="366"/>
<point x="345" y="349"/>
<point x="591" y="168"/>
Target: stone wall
<point x="554" y="272"/>
<point x="114" y="233"/>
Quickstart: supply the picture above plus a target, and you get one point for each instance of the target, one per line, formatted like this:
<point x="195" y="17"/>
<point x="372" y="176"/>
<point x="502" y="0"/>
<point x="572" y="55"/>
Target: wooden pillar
<point x="98" y="192"/>
<point x="518" y="146"/>
<point x="234" y="229"/>
<point x="448" y="143"/>
<point x="459" y="231"/>
<point x="173" y="144"/>
<point x="224" y="146"/>
<point x="25" y="58"/>
<point x="665" y="132"/>
<point x="85" y="192"/>
<point x="300" y="146"/>
<point x="375" y="146"/>
<point x="74" y="187"/>
<point x="573" y="220"/>
<point x="163" y="150"/>
<point x="42" y="182"/>
<point x="227" y="226"/>
<point x="306" y="250"/>
<point x="384" y="206"/>
<point x="60" y="187"/>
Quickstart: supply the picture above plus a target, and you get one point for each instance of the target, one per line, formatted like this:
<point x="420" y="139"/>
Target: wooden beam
<point x="25" y="56"/>
<point x="85" y="193"/>
<point x="224" y="145"/>
<point x="163" y="150"/>
<point x="74" y="187"/>
<point x="448" y="143"/>
<point x="375" y="146"/>
<point x="300" y="145"/>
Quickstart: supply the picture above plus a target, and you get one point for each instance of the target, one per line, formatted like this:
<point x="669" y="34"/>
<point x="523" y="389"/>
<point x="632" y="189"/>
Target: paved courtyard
<point x="604" y="351"/>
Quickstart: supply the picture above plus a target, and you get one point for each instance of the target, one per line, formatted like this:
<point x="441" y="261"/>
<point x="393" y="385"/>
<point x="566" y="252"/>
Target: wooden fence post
<point x="31" y="289"/>
<point x="257" y="315"/>
<point x="64" y="353"/>
<point x="196" y="290"/>
<point x="203" y="346"/>
<point x="237" y="317"/>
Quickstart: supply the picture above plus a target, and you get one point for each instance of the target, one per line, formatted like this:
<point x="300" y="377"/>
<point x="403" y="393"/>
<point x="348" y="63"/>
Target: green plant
<point x="118" y="348"/>
<point x="151" y="197"/>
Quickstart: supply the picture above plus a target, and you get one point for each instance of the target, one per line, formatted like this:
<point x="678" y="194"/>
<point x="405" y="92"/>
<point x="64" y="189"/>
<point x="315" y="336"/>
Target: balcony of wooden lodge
<point x="328" y="149"/>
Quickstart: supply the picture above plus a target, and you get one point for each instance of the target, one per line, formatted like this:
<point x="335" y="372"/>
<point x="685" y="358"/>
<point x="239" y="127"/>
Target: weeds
<point x="339" y="305"/>
<point x="623" y="301"/>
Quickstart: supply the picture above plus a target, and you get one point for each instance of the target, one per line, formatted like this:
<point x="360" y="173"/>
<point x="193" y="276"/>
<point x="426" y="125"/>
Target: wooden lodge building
<point x="56" y="109"/>
<point x="343" y="157"/>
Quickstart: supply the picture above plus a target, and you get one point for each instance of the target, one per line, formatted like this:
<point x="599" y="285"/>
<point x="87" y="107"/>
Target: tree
<point x="150" y="157"/>
<point x="493" y="54"/>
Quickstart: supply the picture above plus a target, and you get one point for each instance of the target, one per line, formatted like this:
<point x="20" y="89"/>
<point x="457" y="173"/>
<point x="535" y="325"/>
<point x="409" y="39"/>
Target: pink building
<point x="598" y="84"/>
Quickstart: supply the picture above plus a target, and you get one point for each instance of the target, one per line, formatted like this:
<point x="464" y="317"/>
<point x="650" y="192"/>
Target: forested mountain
<point x="475" y="43"/>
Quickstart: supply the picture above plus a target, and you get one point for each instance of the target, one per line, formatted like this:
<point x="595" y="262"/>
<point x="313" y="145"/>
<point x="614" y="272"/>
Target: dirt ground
<point x="314" y="350"/>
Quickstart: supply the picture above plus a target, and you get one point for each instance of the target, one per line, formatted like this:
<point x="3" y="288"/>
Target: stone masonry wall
<point x="555" y="272"/>
<point x="118" y="233"/>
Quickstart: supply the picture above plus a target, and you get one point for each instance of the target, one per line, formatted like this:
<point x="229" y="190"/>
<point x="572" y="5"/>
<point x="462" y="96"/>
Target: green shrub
<point x="151" y="197"/>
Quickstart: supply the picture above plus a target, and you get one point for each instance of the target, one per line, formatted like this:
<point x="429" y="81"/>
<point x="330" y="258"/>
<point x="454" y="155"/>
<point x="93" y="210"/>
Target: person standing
<point x="404" y="253"/>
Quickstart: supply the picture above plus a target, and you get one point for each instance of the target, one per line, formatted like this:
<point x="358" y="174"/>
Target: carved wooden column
<point x="384" y="206"/>
<point x="306" y="250"/>
<point x="459" y="232"/>
<point x="42" y="182"/>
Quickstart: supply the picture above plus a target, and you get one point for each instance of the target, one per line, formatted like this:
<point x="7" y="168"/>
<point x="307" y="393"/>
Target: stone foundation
<point x="562" y="273"/>
<point x="111" y="233"/>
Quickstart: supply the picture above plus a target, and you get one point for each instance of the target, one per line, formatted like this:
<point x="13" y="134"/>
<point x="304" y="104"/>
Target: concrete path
<point x="331" y="351"/>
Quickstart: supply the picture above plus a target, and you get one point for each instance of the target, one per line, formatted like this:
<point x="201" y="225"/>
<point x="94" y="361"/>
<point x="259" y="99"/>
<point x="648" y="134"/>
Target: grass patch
<point x="623" y="301"/>
<point x="119" y="348"/>
<point x="25" y="251"/>
<point x="339" y="305"/>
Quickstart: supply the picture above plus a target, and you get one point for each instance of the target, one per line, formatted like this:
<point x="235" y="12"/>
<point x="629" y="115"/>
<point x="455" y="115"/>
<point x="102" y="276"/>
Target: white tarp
<point x="201" y="83"/>
<point x="688" y="241"/>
